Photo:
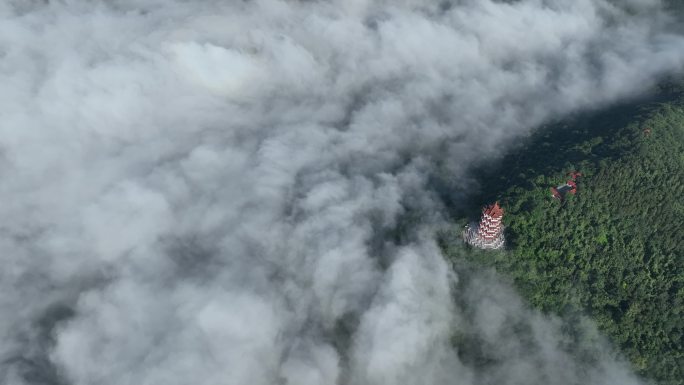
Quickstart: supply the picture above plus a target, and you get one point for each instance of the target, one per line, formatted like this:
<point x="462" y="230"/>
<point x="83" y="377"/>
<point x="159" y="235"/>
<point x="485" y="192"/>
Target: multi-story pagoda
<point x="489" y="233"/>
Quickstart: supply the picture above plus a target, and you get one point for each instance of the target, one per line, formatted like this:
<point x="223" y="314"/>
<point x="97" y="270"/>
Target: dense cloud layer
<point x="216" y="192"/>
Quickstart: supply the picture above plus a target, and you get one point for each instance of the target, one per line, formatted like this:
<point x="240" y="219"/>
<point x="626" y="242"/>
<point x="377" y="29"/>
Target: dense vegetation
<point x="615" y="250"/>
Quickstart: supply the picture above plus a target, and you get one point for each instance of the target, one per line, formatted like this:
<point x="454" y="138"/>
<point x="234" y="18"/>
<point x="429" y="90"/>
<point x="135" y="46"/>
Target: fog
<point x="238" y="192"/>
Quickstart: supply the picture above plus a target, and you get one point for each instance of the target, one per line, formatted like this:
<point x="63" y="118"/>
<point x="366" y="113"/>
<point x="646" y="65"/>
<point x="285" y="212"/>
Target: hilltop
<point x="615" y="250"/>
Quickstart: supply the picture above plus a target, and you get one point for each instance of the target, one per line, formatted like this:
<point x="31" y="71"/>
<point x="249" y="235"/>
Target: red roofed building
<point x="488" y="234"/>
<point x="570" y="186"/>
<point x="574" y="175"/>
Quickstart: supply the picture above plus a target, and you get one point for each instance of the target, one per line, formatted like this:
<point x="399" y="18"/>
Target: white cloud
<point x="211" y="191"/>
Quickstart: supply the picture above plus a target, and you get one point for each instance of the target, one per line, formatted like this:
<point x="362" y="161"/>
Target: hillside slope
<point x="616" y="249"/>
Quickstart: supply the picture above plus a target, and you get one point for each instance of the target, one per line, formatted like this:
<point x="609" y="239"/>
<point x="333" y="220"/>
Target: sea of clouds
<point x="211" y="192"/>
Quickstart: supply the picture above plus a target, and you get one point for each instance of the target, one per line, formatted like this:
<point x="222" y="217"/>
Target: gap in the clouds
<point x="613" y="251"/>
<point x="581" y="140"/>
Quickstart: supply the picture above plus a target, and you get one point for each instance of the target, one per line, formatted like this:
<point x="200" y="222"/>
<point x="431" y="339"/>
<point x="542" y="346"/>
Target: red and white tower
<point x="489" y="233"/>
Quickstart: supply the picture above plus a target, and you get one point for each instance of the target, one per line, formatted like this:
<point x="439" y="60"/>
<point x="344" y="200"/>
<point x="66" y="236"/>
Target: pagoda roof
<point x="494" y="210"/>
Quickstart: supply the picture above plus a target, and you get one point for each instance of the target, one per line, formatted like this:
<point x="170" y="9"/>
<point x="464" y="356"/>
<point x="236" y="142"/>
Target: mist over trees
<point x="614" y="251"/>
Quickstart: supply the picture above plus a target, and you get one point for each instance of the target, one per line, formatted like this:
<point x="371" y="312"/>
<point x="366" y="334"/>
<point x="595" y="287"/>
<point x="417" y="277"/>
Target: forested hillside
<point x="615" y="250"/>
